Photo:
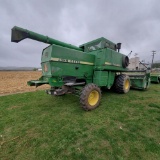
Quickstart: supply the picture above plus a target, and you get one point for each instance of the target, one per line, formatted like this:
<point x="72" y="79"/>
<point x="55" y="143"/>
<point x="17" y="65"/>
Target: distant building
<point x="135" y="64"/>
<point x="39" y="69"/>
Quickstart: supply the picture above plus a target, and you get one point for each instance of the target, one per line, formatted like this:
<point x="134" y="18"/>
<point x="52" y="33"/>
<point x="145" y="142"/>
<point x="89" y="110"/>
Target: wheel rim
<point x="93" y="98"/>
<point x="126" y="85"/>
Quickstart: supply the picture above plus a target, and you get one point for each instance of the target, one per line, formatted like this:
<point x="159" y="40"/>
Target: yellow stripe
<point x="108" y="63"/>
<point x="116" y="65"/>
<point x="88" y="63"/>
<point x="55" y="59"/>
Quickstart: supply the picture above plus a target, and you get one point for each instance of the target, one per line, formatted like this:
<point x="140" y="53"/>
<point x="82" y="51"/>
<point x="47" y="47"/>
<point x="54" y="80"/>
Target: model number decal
<point x="71" y="61"/>
<point x="68" y="60"/>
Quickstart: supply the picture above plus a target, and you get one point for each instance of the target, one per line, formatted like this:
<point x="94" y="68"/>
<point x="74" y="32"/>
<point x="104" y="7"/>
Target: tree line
<point x="156" y="65"/>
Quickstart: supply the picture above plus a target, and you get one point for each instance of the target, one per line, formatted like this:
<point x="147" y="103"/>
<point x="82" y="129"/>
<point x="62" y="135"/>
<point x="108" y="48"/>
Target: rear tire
<point x="90" y="97"/>
<point x="122" y="84"/>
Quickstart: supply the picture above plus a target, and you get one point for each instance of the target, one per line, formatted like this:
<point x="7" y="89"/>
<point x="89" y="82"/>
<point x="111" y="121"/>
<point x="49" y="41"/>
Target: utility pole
<point x="153" y="53"/>
<point x="135" y="61"/>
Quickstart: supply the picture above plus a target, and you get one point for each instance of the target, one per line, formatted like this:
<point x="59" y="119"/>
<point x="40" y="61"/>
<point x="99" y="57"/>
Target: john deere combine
<point x="82" y="70"/>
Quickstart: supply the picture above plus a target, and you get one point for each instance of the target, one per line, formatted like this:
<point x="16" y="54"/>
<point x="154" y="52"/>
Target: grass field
<point x="38" y="126"/>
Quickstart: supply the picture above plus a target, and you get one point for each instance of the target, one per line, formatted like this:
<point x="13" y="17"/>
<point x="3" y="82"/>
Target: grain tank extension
<point x="81" y="70"/>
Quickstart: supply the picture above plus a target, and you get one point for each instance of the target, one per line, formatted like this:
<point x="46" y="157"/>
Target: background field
<point x="16" y="81"/>
<point x="38" y="126"/>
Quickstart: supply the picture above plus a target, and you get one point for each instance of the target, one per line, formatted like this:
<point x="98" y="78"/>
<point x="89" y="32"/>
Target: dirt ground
<point x="16" y="81"/>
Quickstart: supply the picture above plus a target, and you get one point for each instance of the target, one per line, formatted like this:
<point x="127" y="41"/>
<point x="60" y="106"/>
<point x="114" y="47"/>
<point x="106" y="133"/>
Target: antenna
<point x="135" y="54"/>
<point x="129" y="54"/>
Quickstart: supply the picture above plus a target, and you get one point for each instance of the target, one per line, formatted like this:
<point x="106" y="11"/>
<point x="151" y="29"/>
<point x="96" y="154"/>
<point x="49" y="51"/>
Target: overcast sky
<point x="136" y="24"/>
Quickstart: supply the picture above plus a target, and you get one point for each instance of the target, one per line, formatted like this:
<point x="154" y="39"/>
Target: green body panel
<point x="155" y="78"/>
<point x="104" y="78"/>
<point x="140" y="81"/>
<point x="100" y="78"/>
<point x="107" y="59"/>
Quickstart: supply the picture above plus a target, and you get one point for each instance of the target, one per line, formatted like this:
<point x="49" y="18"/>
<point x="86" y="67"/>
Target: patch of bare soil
<point x="16" y="81"/>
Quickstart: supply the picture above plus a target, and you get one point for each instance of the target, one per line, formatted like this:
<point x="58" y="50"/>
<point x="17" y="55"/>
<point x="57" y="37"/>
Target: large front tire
<point x="90" y="97"/>
<point x="122" y="84"/>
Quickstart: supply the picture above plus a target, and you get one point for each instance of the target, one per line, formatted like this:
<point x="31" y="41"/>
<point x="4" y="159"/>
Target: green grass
<point x="38" y="126"/>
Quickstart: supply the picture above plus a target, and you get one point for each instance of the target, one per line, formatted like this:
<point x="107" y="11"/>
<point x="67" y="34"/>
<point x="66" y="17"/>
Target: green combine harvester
<point x="83" y="70"/>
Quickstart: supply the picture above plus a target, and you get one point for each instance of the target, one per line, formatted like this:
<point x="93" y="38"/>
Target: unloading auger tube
<point x="19" y="34"/>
